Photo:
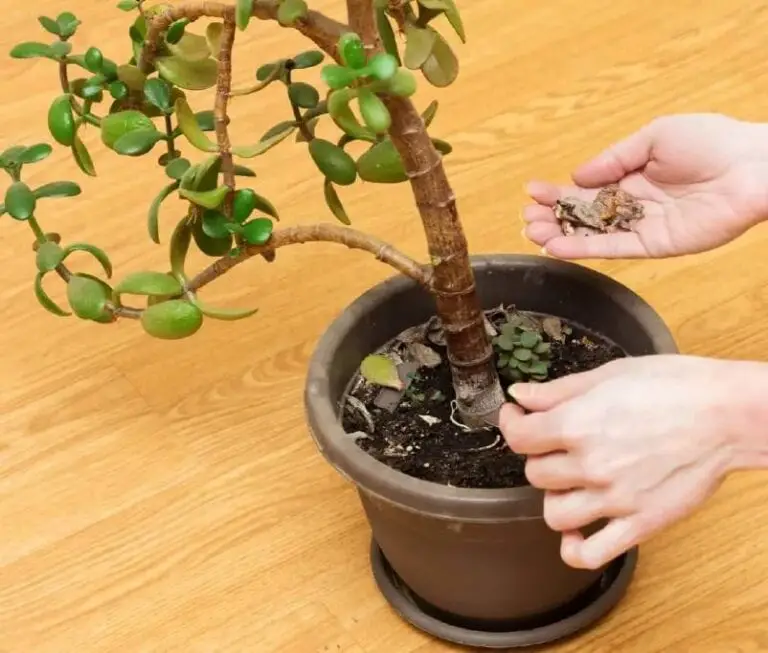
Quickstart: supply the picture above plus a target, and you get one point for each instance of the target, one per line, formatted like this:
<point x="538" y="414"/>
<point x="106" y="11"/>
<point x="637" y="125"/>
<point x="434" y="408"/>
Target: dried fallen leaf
<point x="381" y="370"/>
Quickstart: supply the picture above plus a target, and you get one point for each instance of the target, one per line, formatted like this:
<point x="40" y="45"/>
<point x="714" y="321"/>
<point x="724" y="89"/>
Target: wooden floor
<point x="161" y="497"/>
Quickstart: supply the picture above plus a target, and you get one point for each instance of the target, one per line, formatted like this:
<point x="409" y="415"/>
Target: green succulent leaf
<point x="215" y="224"/>
<point x="257" y="231"/>
<point x="45" y="301"/>
<point x="382" y="66"/>
<point x="57" y="189"/>
<point x="97" y="253"/>
<point x="387" y="34"/>
<point x="529" y="339"/>
<point x="243" y="11"/>
<point x="83" y="157"/>
<point x="148" y="283"/>
<point x="31" y="50"/>
<point x="35" y="153"/>
<point x="303" y="95"/>
<point x="176" y="31"/>
<point x="448" y="7"/>
<point x="172" y="320"/>
<point x="180" y="241"/>
<point x="243" y="204"/>
<point x="49" y="25"/>
<point x="61" y="121"/>
<point x="206" y="175"/>
<point x="352" y="51"/>
<point x="373" y="111"/>
<point x="190" y="75"/>
<point x="333" y="162"/>
<point x="118" y="90"/>
<point x="191" y="129"/>
<point x="209" y="199"/>
<point x="137" y="143"/>
<point x="153" y="222"/>
<point x="543" y="348"/>
<point x="227" y="314"/>
<point x="132" y="77"/>
<point x="419" y="44"/>
<point x="209" y="246"/>
<point x="339" y="77"/>
<point x="522" y="354"/>
<point x="291" y="11"/>
<point x="128" y="5"/>
<point x="49" y="256"/>
<point x="265" y="144"/>
<point x="381" y="370"/>
<point x="176" y="168"/>
<point x="341" y="114"/>
<point x="430" y="112"/>
<point x="68" y="24"/>
<point x="308" y="59"/>
<point x="262" y="204"/>
<point x="94" y="59"/>
<point x="20" y="201"/>
<point x="243" y="171"/>
<point x="382" y="164"/>
<point x="60" y="49"/>
<point x="158" y="93"/>
<point x="334" y="203"/>
<point x="116" y="125"/>
<point x="88" y="298"/>
<point x="441" y="67"/>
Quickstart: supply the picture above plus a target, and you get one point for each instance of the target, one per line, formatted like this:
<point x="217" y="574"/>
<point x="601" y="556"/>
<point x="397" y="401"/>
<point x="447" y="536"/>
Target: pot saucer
<point x="578" y="615"/>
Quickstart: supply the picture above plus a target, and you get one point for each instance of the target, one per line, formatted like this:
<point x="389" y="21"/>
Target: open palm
<point x="702" y="179"/>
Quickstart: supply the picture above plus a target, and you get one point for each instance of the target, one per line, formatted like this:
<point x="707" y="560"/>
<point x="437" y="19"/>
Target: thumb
<point x="617" y="161"/>
<point x="545" y="396"/>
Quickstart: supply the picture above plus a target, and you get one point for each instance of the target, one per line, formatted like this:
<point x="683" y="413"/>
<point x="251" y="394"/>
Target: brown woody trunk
<point x="475" y="379"/>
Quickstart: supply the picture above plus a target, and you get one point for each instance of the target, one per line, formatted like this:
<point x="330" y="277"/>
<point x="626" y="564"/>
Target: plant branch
<point x="329" y="233"/>
<point x="303" y="128"/>
<point x="323" y="31"/>
<point x="221" y="119"/>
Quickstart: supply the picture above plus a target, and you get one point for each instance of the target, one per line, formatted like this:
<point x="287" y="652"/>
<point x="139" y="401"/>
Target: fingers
<point x="569" y="511"/>
<point x="614" y="539"/>
<point x="546" y="194"/>
<point x="537" y="433"/>
<point x="548" y="395"/>
<point x="555" y="471"/>
<point x="624" y="245"/>
<point x="618" y="160"/>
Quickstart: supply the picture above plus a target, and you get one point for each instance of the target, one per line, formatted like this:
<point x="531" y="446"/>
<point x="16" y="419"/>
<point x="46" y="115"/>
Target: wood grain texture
<point x="166" y="497"/>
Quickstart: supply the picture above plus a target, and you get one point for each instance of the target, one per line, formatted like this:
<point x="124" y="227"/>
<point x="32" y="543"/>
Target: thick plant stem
<point x="221" y="119"/>
<point x="317" y="233"/>
<point x="475" y="379"/>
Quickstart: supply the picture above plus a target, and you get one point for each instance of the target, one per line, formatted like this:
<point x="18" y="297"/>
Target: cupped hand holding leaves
<point x="701" y="178"/>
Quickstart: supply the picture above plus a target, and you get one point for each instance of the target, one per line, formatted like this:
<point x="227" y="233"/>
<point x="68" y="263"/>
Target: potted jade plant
<point x="404" y="388"/>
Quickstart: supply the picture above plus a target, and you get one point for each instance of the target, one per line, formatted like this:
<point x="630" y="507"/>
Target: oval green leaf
<point x="341" y="114"/>
<point x="116" y="125"/>
<point x="97" y="253"/>
<point x="290" y="11"/>
<point x="381" y="370"/>
<point x="243" y="204"/>
<point x="334" y="203"/>
<point x="176" y="168"/>
<point x="373" y="111"/>
<point x="264" y="145"/>
<point x="382" y="66"/>
<point x="448" y="7"/>
<point x="352" y="51"/>
<point x="191" y="48"/>
<point x="35" y="153"/>
<point x="387" y="34"/>
<point x="93" y="60"/>
<point x="210" y="246"/>
<point x="20" y="201"/>
<point x="243" y="11"/>
<point x="382" y="164"/>
<point x="180" y="240"/>
<point x="189" y="75"/>
<point x="441" y="67"/>
<point x="419" y="42"/>
<point x="131" y="76"/>
<point x="58" y="189"/>
<point x="156" y="284"/>
<point x="172" y="320"/>
<point x="333" y="162"/>
<point x="191" y="128"/>
<point x="45" y="301"/>
<point x="209" y="199"/>
<point x="31" y="50"/>
<point x="213" y="37"/>
<point x="137" y="143"/>
<point x="308" y="59"/>
<point x="227" y="314"/>
<point x="265" y="206"/>
<point x="215" y="224"/>
<point x="153" y="221"/>
<point x="88" y="298"/>
<point x="303" y="95"/>
<point x="257" y="231"/>
<point x="338" y="77"/>
<point x="158" y="94"/>
<point x="61" y="121"/>
<point x="83" y="157"/>
<point x="49" y="256"/>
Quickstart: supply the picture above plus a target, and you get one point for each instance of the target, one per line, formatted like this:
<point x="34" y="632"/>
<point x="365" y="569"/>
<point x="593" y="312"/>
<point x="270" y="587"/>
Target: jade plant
<point x="143" y="106"/>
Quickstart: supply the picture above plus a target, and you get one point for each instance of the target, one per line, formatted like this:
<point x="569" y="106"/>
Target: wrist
<point x="747" y="425"/>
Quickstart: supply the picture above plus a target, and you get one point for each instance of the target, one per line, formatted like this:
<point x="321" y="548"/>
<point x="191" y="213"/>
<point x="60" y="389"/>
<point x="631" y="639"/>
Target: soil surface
<point x="413" y="431"/>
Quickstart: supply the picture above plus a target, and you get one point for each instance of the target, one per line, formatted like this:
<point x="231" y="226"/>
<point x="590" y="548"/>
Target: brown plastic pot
<point x="475" y="567"/>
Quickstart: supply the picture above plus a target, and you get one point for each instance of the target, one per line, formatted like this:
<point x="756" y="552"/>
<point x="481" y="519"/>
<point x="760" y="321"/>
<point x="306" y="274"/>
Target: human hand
<point x="640" y="442"/>
<point x="701" y="178"/>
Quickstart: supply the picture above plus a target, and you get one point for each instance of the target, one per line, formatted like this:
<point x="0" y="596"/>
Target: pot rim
<point x="421" y="496"/>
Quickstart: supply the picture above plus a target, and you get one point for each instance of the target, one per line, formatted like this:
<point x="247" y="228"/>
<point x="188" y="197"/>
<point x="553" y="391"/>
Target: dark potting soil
<point x="416" y="435"/>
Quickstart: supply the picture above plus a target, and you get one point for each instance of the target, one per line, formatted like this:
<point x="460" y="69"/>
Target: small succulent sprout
<point x="522" y="353"/>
